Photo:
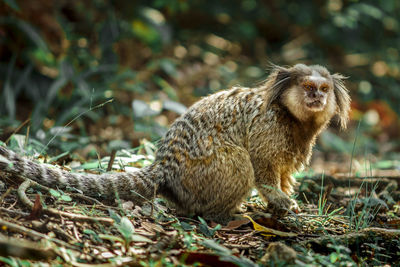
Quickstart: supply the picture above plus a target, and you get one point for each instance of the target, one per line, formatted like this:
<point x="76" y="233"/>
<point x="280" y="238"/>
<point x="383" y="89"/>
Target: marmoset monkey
<point x="222" y="147"/>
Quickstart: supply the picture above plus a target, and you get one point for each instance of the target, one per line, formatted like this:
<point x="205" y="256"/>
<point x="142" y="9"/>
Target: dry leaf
<point x="235" y="224"/>
<point x="263" y="229"/>
<point x="36" y="209"/>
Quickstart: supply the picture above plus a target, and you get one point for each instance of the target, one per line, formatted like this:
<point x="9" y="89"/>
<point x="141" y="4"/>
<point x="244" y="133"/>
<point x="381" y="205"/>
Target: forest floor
<point x="344" y="220"/>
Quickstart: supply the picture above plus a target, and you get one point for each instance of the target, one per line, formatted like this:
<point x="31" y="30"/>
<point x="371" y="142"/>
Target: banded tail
<point x="135" y="186"/>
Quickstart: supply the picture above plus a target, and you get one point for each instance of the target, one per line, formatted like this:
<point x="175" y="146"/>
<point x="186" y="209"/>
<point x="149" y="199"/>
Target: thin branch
<point x="32" y="233"/>
<point x="17" y="130"/>
<point x="24" y="249"/>
<point x="362" y="236"/>
<point x="88" y="199"/>
<point x="14" y="213"/>
<point x="111" y="161"/>
<point x="51" y="211"/>
<point x="3" y="196"/>
<point x="239" y="246"/>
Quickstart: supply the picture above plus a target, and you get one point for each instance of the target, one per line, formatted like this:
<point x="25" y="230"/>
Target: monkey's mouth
<point x="316" y="104"/>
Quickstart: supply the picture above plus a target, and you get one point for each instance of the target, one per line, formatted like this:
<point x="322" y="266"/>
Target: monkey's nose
<point x="315" y="94"/>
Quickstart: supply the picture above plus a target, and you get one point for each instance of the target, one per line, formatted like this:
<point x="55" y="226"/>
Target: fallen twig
<point x="51" y="211"/>
<point x="395" y="177"/>
<point x="24" y="249"/>
<point x="128" y="261"/>
<point x="362" y="236"/>
<point x="14" y="213"/>
<point x="87" y="198"/>
<point x="64" y="234"/>
<point x="240" y="246"/>
<point x="32" y="233"/>
<point x="111" y="161"/>
<point x="3" y="196"/>
<point x="17" y="130"/>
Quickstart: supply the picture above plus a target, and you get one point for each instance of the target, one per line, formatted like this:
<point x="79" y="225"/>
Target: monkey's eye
<point x="308" y="87"/>
<point x="324" y="88"/>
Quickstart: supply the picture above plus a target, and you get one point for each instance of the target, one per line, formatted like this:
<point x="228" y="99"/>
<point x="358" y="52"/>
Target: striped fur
<point x="222" y="147"/>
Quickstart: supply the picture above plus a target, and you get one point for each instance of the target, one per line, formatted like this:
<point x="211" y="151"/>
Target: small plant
<point x="363" y="219"/>
<point x="126" y="229"/>
<point x="370" y="206"/>
<point x="60" y="195"/>
<point x="340" y="256"/>
<point x="208" y="231"/>
<point x="14" y="262"/>
<point x="322" y="199"/>
<point x="190" y="242"/>
<point x="322" y="208"/>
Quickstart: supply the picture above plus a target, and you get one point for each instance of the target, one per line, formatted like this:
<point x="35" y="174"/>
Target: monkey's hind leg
<point x="215" y="187"/>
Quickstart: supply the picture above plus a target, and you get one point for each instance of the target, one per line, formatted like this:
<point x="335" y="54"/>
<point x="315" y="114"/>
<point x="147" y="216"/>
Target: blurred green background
<point x="62" y="61"/>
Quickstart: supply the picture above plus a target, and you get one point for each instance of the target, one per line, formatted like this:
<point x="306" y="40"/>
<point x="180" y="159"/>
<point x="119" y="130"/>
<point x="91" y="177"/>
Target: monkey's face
<point x="316" y="90"/>
<point x="311" y="95"/>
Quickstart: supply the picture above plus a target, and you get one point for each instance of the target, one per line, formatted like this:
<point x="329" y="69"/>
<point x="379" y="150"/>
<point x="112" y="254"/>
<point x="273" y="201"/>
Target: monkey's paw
<point x="279" y="206"/>
<point x="282" y="205"/>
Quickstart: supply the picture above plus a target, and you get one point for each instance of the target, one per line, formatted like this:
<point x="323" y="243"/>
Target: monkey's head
<point x="311" y="92"/>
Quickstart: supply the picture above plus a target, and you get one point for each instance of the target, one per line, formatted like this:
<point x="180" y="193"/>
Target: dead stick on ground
<point x="111" y="161"/>
<point x="89" y="199"/>
<point x="17" y="130"/>
<point x="27" y="136"/>
<point x="13" y="213"/>
<point x="32" y="233"/>
<point x="365" y="235"/>
<point x="239" y="246"/>
<point x="128" y="261"/>
<point x="78" y="217"/>
<point x="373" y="177"/>
<point x="24" y="249"/>
<point x="3" y="196"/>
